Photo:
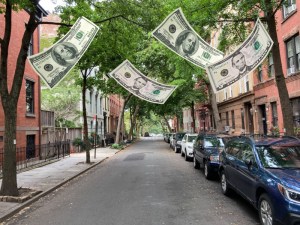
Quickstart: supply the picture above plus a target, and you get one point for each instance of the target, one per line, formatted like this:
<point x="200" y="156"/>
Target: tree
<point x="10" y="95"/>
<point x="235" y="18"/>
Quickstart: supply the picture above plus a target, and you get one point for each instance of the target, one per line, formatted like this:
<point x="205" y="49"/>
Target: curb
<point x="44" y="193"/>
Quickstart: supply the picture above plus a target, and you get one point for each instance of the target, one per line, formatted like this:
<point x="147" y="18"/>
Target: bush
<point x="78" y="142"/>
<point x="117" y="146"/>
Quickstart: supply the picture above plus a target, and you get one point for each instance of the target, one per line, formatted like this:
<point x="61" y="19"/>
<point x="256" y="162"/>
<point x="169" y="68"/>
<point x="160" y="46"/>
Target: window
<point x="296" y="111"/>
<point x="293" y="55"/>
<point x="29" y="96"/>
<point x="91" y="103"/>
<point x="259" y="73"/>
<point x="274" y="114"/>
<point x="271" y="70"/>
<point x="227" y="119"/>
<point x="243" y="119"/>
<point x="30" y="47"/>
<point x="289" y="7"/>
<point x="247" y="88"/>
<point x="232" y="119"/>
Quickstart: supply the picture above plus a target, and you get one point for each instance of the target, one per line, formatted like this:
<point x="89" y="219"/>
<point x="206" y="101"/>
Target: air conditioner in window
<point x="290" y="70"/>
<point x="227" y="128"/>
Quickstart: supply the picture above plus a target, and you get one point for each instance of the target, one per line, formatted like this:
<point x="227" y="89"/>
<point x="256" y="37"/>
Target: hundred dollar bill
<point x="56" y="62"/>
<point x="140" y="85"/>
<point x="245" y="59"/>
<point x="176" y="33"/>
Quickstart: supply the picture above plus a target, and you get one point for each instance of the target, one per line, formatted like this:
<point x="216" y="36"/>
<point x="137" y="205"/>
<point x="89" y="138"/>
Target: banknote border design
<point x="257" y="26"/>
<point x="129" y="64"/>
<point x="166" y="42"/>
<point x="60" y="77"/>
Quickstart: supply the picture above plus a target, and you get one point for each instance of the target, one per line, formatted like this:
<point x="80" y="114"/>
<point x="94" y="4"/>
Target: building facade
<point x="28" y="112"/>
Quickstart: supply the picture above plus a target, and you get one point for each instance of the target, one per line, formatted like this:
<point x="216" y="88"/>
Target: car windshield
<point x="180" y="136"/>
<point x="279" y="156"/>
<point x="213" y="142"/>
<point x="191" y="138"/>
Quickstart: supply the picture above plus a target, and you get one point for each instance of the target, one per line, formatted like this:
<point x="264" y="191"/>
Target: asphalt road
<point x="145" y="184"/>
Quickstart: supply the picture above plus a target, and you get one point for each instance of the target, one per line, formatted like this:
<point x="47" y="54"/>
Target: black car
<point x="206" y="149"/>
<point x="177" y="138"/>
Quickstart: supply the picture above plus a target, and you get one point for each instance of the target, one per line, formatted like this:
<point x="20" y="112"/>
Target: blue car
<point x="206" y="150"/>
<point x="266" y="172"/>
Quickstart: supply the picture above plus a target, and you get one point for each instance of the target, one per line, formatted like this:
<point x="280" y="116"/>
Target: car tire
<point x="224" y="184"/>
<point x="206" y="170"/>
<point x="196" y="163"/>
<point x="182" y="153"/>
<point x="265" y="210"/>
<point x="175" y="149"/>
<point x="186" y="158"/>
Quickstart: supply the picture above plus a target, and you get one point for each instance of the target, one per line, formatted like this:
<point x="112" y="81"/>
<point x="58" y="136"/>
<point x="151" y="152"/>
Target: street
<point x="145" y="184"/>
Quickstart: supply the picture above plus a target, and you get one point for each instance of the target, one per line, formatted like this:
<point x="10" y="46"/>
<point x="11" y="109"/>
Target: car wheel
<point x="224" y="185"/>
<point x="196" y="163"/>
<point x="186" y="158"/>
<point x="207" y="172"/>
<point x="182" y="153"/>
<point x="175" y="149"/>
<point x="265" y="210"/>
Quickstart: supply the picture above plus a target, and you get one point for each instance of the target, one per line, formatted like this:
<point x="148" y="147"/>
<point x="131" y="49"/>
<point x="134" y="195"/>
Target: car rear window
<point x="191" y="138"/>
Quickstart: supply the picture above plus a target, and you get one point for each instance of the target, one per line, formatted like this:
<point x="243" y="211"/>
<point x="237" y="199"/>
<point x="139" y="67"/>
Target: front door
<point x="30" y="146"/>
<point x="264" y="119"/>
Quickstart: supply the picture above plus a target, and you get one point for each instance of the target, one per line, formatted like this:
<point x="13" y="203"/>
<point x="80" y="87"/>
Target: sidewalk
<point x="49" y="177"/>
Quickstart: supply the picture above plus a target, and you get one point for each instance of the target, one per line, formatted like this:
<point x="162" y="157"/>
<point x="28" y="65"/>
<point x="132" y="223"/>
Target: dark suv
<point x="206" y="149"/>
<point x="266" y="172"/>
<point x="177" y="141"/>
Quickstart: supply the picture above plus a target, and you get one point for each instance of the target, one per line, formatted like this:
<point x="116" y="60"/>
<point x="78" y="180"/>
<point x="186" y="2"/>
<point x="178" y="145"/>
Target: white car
<point x="187" y="146"/>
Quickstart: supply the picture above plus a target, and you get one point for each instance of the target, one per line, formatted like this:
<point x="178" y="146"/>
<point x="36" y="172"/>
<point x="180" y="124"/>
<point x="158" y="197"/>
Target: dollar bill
<point x="141" y="86"/>
<point x="176" y="33"/>
<point x="56" y="62"/>
<point x="247" y="57"/>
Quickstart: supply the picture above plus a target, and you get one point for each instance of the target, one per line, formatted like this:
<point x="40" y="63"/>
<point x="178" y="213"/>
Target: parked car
<point x="167" y="137"/>
<point x="187" y="146"/>
<point x="266" y="172"/>
<point x="206" y="149"/>
<point x="171" y="140"/>
<point x="177" y="138"/>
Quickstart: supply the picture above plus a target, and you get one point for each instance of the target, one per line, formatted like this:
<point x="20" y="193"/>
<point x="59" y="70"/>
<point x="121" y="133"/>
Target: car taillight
<point x="289" y="193"/>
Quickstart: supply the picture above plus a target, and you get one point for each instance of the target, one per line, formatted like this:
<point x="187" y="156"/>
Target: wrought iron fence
<point x="27" y="157"/>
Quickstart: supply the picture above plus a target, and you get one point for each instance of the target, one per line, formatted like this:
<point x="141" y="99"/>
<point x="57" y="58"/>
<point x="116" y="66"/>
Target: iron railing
<point x="27" y="157"/>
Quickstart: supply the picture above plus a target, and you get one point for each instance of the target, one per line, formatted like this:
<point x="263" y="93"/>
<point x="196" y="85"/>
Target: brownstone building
<point x="28" y="114"/>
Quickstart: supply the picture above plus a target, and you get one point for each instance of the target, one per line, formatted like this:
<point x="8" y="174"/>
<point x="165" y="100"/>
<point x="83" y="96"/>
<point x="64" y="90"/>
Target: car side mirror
<point x="248" y="162"/>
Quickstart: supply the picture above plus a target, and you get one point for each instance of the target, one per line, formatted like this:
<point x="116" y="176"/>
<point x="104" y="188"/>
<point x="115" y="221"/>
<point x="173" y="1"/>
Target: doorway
<point x="263" y="114"/>
<point x="30" y="146"/>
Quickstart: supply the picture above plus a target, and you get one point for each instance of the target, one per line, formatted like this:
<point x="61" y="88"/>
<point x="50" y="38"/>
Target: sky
<point x="49" y="5"/>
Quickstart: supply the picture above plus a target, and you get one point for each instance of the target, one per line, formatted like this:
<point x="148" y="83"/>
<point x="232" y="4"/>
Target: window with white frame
<point x="289" y="6"/>
<point x="293" y="55"/>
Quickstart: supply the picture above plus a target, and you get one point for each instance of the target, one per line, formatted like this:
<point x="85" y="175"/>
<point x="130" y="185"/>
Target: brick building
<point x="266" y="107"/>
<point x="28" y="112"/>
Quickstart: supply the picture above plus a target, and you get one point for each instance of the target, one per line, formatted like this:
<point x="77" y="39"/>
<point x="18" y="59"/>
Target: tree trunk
<point x="9" y="181"/>
<point x="213" y="102"/>
<point x="193" y="117"/>
<point x="10" y="98"/>
<point x="287" y="111"/>
<point x="86" y="142"/>
<point x="136" y="110"/>
<point x="120" y="119"/>
<point x="169" y="127"/>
